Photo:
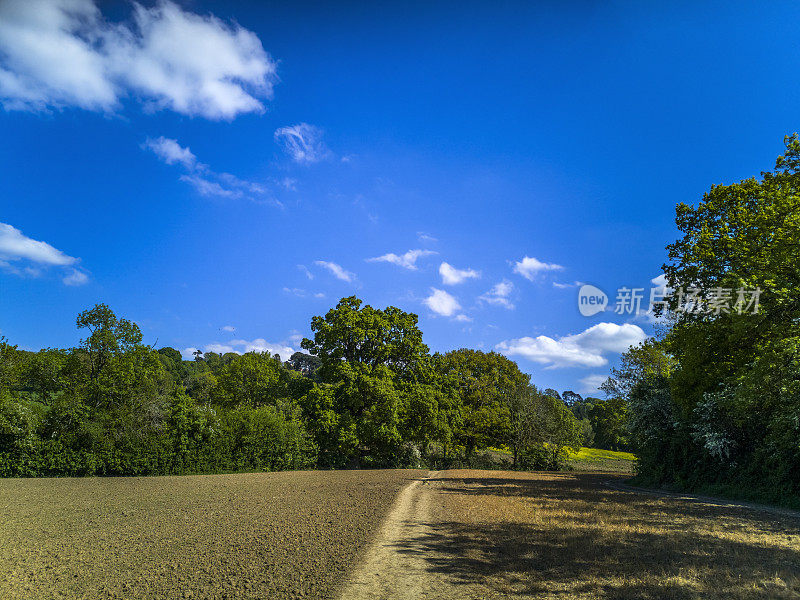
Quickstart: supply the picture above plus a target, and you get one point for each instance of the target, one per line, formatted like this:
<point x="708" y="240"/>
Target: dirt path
<point x="395" y="566"/>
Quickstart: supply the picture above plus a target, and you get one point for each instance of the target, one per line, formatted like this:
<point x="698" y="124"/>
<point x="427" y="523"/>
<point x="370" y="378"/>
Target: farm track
<point x="394" y="566"/>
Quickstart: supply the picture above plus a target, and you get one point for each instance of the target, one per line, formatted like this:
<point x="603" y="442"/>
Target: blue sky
<point x="221" y="172"/>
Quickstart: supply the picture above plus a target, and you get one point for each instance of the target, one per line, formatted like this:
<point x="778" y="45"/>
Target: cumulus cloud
<point x="407" y="260"/>
<point x="660" y="281"/>
<point x="499" y="294"/>
<point x="14" y="245"/>
<point x="75" y="277"/>
<point x="23" y="256"/>
<point x="591" y="383"/>
<point x="171" y="152"/>
<point x="302" y="142"/>
<point x="242" y="347"/>
<point x="442" y="303"/>
<point x="336" y="270"/>
<point x="452" y="276"/>
<point x="529" y="267"/>
<point x="585" y="349"/>
<point x="65" y="53"/>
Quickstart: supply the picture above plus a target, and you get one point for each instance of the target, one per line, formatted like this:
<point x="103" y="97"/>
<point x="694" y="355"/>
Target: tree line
<point x="366" y="393"/>
<point x="714" y="399"/>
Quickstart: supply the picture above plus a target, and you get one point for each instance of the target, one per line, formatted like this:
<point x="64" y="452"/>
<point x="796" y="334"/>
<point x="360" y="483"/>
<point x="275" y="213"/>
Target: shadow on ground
<point x="567" y="535"/>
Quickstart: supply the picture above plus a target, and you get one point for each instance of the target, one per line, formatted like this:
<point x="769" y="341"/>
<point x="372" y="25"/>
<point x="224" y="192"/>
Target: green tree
<point x="542" y="429"/>
<point x="741" y="368"/>
<point x="108" y="336"/>
<point x="609" y="419"/>
<point x="252" y="379"/>
<point x="11" y="365"/>
<point x="350" y="333"/>
<point x="44" y="372"/>
<point x="374" y="359"/>
<point x="486" y="382"/>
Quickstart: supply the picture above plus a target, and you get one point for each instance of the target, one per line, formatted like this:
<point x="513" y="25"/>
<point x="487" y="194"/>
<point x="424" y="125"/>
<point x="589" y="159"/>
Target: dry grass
<point x="569" y="536"/>
<point x="268" y="535"/>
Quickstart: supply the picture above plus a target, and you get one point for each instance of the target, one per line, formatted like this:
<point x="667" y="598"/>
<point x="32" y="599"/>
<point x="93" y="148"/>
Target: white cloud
<point x="566" y="286"/>
<point x="585" y="349"/>
<point x="242" y="347"/>
<point x="288" y="183"/>
<point x="14" y="245"/>
<point x="529" y="267"/>
<point x="591" y="383"/>
<point x="306" y="271"/>
<point x="301" y="293"/>
<point x="201" y="177"/>
<point x="188" y="353"/>
<point x="463" y="318"/>
<point x="452" y="276"/>
<point x="24" y="256"/>
<point x="660" y="281"/>
<point x="499" y="294"/>
<point x="64" y="53"/>
<point x="302" y="142"/>
<point x="228" y="328"/>
<point x="407" y="260"/>
<point x="208" y="188"/>
<point x="426" y="237"/>
<point x="75" y="278"/>
<point x="336" y="270"/>
<point x="442" y="303"/>
<point x="171" y="152"/>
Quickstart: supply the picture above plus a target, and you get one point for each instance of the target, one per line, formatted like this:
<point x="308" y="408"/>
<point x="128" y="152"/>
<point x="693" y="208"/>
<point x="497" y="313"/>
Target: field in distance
<point x="594" y="459"/>
<point x="369" y="535"/>
<point x="585" y="459"/>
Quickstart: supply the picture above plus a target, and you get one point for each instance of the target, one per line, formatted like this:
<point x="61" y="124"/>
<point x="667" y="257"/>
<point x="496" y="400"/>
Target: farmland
<point x="274" y="535"/>
<point x="595" y="459"/>
<point x="360" y="535"/>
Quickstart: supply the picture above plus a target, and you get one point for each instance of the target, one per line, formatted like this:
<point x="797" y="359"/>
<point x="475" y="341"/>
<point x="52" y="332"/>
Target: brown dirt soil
<point x="265" y="535"/>
<point x="489" y="534"/>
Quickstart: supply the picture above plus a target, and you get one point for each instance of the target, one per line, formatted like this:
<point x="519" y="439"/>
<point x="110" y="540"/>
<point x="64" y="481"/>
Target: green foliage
<point x="609" y="423"/>
<point x="543" y="429"/>
<point x="716" y="403"/>
<point x="253" y="379"/>
<point x="486" y="384"/>
<point x="350" y="333"/>
<point x="369" y="395"/>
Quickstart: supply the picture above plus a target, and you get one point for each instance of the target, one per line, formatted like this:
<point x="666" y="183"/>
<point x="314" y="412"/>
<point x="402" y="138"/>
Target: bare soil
<point x="264" y="535"/>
